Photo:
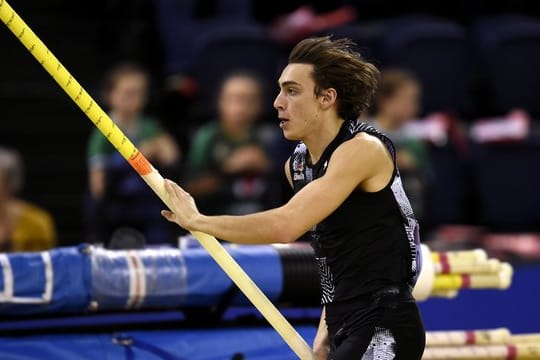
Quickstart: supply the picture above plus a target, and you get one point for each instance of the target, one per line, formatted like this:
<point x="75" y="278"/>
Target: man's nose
<point x="278" y="102"/>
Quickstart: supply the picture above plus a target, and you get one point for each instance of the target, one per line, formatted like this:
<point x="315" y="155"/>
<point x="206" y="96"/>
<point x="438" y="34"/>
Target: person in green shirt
<point x="119" y="198"/>
<point x="228" y="164"/>
<point x="397" y="102"/>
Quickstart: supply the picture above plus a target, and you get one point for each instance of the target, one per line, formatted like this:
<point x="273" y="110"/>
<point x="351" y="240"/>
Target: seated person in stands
<point x="119" y="197"/>
<point x="23" y="226"/>
<point x="228" y="164"/>
<point x="397" y="102"/>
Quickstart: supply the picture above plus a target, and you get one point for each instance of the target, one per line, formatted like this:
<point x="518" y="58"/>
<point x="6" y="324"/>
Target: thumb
<point x="168" y="215"/>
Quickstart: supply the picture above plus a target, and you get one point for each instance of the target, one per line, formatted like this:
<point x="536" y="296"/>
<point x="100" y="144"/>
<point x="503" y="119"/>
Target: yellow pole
<point x="150" y="175"/>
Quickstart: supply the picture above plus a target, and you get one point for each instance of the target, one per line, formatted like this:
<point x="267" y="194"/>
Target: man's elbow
<point x="286" y="235"/>
<point x="284" y="229"/>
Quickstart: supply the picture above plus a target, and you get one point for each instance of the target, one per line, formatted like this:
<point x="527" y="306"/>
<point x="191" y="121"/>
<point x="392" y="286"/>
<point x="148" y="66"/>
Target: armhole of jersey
<point x="392" y="150"/>
<point x="291" y="172"/>
<point x="289" y="169"/>
<point x="395" y="173"/>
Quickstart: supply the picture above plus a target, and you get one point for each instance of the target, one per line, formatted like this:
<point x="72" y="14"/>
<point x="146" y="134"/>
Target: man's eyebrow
<point x="288" y="83"/>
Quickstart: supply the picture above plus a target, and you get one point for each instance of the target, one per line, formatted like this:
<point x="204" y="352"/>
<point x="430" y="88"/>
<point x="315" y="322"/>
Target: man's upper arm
<point x="352" y="163"/>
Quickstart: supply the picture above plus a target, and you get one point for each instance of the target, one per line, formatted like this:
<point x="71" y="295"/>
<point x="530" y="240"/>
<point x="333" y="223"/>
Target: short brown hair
<point x="392" y="80"/>
<point x="118" y="72"/>
<point x="337" y="64"/>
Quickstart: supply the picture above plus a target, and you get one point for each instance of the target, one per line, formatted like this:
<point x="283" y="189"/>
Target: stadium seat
<point x="507" y="177"/>
<point x="235" y="10"/>
<point x="447" y="187"/>
<point x="437" y="52"/>
<point x="180" y="27"/>
<point x="367" y="36"/>
<point x="509" y="46"/>
<point x="222" y="50"/>
<point x="447" y="193"/>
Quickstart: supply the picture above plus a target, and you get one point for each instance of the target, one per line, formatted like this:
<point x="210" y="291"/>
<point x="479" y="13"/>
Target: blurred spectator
<point x="120" y="198"/>
<point x="228" y="166"/>
<point x="23" y="226"/>
<point x="397" y="103"/>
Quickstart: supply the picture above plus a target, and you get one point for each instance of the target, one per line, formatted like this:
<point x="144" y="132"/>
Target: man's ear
<point x="328" y="98"/>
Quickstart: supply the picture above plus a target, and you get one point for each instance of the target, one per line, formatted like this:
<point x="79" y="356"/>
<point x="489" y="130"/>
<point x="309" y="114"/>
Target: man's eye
<point x="292" y="92"/>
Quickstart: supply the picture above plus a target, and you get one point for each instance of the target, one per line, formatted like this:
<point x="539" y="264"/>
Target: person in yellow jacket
<point x="23" y="226"/>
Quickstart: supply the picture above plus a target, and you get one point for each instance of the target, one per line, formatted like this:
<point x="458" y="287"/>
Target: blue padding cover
<point x="164" y="277"/>
<point x="85" y="276"/>
<point x="26" y="281"/>
<point x="214" y="344"/>
<point x="207" y="282"/>
<point x="71" y="279"/>
<point x="170" y="284"/>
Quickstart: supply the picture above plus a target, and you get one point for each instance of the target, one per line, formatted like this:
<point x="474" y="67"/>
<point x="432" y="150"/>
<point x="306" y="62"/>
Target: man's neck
<point x="319" y="140"/>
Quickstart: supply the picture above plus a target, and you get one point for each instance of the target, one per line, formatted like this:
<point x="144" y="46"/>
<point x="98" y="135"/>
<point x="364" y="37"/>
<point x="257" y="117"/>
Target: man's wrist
<point x="197" y="223"/>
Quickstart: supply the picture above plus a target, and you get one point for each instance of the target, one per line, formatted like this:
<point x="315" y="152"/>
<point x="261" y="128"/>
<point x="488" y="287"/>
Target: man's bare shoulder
<point x="368" y="140"/>
<point x="365" y="160"/>
<point x="364" y="146"/>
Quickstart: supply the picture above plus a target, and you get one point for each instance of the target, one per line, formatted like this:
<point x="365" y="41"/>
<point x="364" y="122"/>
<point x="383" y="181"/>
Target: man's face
<point x="240" y="103"/>
<point x="129" y="94"/>
<point x="297" y="105"/>
<point x="404" y="105"/>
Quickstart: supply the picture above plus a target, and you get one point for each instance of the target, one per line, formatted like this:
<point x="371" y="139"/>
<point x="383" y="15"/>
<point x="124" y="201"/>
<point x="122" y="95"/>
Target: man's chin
<point x="290" y="136"/>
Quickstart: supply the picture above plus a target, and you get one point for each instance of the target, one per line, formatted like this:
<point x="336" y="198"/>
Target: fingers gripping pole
<point x="150" y="175"/>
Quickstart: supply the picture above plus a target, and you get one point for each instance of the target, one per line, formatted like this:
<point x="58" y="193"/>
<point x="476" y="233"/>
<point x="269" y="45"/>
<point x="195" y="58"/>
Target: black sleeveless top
<point x="371" y="240"/>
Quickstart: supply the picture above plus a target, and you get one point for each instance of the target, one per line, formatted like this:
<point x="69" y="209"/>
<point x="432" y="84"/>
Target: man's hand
<point x="184" y="211"/>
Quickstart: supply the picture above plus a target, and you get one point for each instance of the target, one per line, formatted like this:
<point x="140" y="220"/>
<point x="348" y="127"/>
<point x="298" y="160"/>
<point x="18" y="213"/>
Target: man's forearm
<point x="260" y="228"/>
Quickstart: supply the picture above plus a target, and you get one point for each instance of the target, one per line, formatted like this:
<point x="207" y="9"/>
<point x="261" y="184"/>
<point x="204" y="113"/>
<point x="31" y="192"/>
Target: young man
<point x="350" y="199"/>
